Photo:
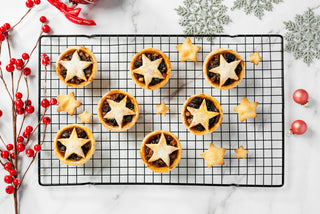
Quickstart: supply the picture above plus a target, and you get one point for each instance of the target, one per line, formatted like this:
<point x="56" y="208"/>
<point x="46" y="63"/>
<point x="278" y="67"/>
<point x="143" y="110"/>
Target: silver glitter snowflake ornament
<point x="203" y="17"/>
<point x="303" y="37"/>
<point x="257" y="7"/>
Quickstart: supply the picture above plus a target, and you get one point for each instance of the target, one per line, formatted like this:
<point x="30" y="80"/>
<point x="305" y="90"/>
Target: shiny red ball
<point x="26" y="134"/>
<point x="37" y="148"/>
<point x="18" y="95"/>
<point x="45" y="103"/>
<point x="29" y="4"/>
<point x="9" y="146"/>
<point x="46" y="120"/>
<point x="7" y="26"/>
<point x="10" y="189"/>
<point x="46" y="28"/>
<point x="26" y="71"/>
<point x="45" y="61"/>
<point x="16" y="182"/>
<point x="37" y="2"/>
<point x="29" y="129"/>
<point x="29" y="109"/>
<point x="20" y="147"/>
<point x="13" y="172"/>
<point x="30" y="153"/>
<point x="43" y="19"/>
<point x="12" y="155"/>
<point x="298" y="127"/>
<point x="8" y="179"/>
<point x="20" y="111"/>
<point x="1" y="113"/>
<point x="19" y="104"/>
<point x="20" y="139"/>
<point x="10" y="68"/>
<point x="7" y="166"/>
<point x="3" y="29"/>
<point x="4" y="154"/>
<point x="53" y="101"/>
<point x="27" y="102"/>
<point x="19" y="63"/>
<point x="25" y="56"/>
<point x="301" y="96"/>
<point x="12" y="61"/>
<point x="2" y="37"/>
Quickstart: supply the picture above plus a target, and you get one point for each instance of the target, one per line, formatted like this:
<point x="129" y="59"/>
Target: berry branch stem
<point x="20" y="20"/>
<point x="25" y="114"/>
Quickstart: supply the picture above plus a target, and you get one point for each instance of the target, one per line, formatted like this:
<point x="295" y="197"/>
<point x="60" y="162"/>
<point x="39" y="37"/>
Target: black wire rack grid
<point x="117" y="156"/>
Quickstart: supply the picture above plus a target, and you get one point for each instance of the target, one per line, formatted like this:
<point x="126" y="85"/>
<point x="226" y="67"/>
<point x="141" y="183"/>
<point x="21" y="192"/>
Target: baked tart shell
<point x="217" y="105"/>
<point x="94" y="66"/>
<point x="148" y="164"/>
<point x="164" y="58"/>
<point x="222" y="51"/>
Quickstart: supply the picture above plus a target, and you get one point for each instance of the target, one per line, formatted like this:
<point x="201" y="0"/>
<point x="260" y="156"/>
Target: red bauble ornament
<point x="53" y="101"/>
<point x="298" y="127"/>
<point x="46" y="28"/>
<point x="45" y="103"/>
<point x="5" y="154"/>
<point x="7" y="166"/>
<point x="9" y="146"/>
<point x="13" y="172"/>
<point x="46" y="120"/>
<point x="20" y="147"/>
<point x="37" y="148"/>
<point x="30" y="153"/>
<point x="8" y="179"/>
<point x="26" y="71"/>
<point x="29" y="109"/>
<point x="18" y="95"/>
<point x="1" y="113"/>
<point x="10" y="189"/>
<point x="301" y="96"/>
<point x="25" y="56"/>
<point x="16" y="182"/>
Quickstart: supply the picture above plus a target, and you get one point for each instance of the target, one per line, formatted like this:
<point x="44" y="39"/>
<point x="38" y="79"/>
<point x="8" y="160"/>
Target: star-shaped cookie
<point x="201" y="115"/>
<point x="241" y="152"/>
<point x="226" y="70"/>
<point x="149" y="69"/>
<point x="73" y="144"/>
<point x="214" y="155"/>
<point x="188" y="51"/>
<point x="85" y="117"/>
<point x="255" y="58"/>
<point x="68" y="103"/>
<point x="161" y="150"/>
<point x="75" y="67"/>
<point x="162" y="109"/>
<point x="118" y="110"/>
<point x="246" y="109"/>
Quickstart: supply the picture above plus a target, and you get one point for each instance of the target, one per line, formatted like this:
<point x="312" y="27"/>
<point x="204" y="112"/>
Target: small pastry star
<point x="188" y="51"/>
<point x="149" y="69"/>
<point x="75" y="67"/>
<point x="73" y="144"/>
<point x="226" y="70"/>
<point x="214" y="155"/>
<point x="201" y="115"/>
<point x="255" y="58"/>
<point x="161" y="150"/>
<point x="118" y="110"/>
<point x="68" y="103"/>
<point x="162" y="109"/>
<point x="241" y="152"/>
<point x="85" y="117"/>
<point x="246" y="109"/>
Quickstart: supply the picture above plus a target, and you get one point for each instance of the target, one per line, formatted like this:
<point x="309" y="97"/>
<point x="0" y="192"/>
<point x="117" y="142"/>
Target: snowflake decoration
<point x="203" y="17"/>
<point x="303" y="37"/>
<point x="257" y="7"/>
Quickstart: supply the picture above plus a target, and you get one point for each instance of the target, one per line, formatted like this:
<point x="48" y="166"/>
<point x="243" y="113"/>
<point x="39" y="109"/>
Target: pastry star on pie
<point x="226" y="70"/>
<point x="246" y="109"/>
<point x="75" y="67"/>
<point x="241" y="152"/>
<point x="214" y="155"/>
<point x="188" y="51"/>
<point x="118" y="110"/>
<point x="73" y="144"/>
<point x="255" y="58"/>
<point x="85" y="117"/>
<point x="161" y="150"/>
<point x="149" y="69"/>
<point x="162" y="109"/>
<point x="201" y="115"/>
<point x="68" y="103"/>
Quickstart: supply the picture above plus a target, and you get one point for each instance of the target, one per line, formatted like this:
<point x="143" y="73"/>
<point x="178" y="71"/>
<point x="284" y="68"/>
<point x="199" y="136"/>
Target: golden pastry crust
<point x="166" y="61"/>
<point x="246" y="109"/>
<point x="118" y="128"/>
<point x="241" y="152"/>
<point x="203" y="96"/>
<point x="255" y="58"/>
<point x="143" y="153"/>
<point x="89" y="153"/>
<point x="94" y="66"/>
<point x="68" y="103"/>
<point x="188" y="51"/>
<point x="209" y="58"/>
<point x="214" y="155"/>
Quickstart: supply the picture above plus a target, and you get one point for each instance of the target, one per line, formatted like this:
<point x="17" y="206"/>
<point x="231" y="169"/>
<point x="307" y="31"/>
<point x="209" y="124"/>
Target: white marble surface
<point x="300" y="193"/>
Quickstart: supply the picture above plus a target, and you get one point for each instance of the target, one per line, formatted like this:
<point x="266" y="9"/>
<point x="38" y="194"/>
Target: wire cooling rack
<point x="117" y="156"/>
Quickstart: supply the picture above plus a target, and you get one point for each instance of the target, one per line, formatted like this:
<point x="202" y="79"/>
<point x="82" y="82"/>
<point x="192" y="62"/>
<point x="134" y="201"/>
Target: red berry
<point x="45" y="103"/>
<point x="29" y="109"/>
<point x="2" y="37"/>
<point x="53" y="101"/>
<point x="20" y="111"/>
<point x="25" y="56"/>
<point x="26" y="134"/>
<point x="43" y="19"/>
<point x="29" y="4"/>
<point x="3" y="29"/>
<point x="7" y="26"/>
<point x="29" y="129"/>
<point x="12" y="155"/>
<point x="13" y="172"/>
<point x="7" y="166"/>
<point x="19" y="63"/>
<point x="12" y="61"/>
<point x="16" y="182"/>
<point x="43" y="56"/>
<point x="20" y="139"/>
<point x="46" y="28"/>
<point x="9" y="189"/>
<point x="9" y="146"/>
<point x="19" y="104"/>
<point x="30" y="153"/>
<point x="45" y="61"/>
<point x="26" y="71"/>
<point x="28" y="102"/>
<point x="8" y="179"/>
<point x="19" y="95"/>
<point x="37" y="2"/>
<point x="10" y="68"/>
<point x="37" y="148"/>
<point x="4" y="154"/>
<point x="20" y="147"/>
<point x="1" y="113"/>
<point x="46" y="120"/>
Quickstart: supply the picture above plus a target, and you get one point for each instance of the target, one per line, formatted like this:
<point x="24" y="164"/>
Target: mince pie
<point x="77" y="66"/>
<point x="161" y="151"/>
<point x="224" y="68"/>
<point x="74" y="145"/>
<point x="150" y="69"/>
<point x="118" y="110"/>
<point x="202" y="114"/>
